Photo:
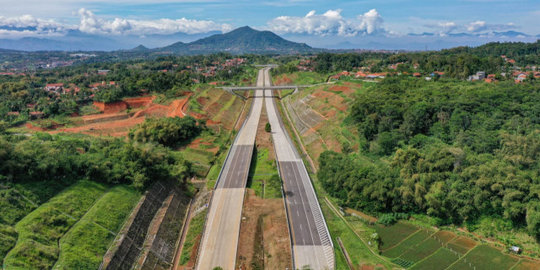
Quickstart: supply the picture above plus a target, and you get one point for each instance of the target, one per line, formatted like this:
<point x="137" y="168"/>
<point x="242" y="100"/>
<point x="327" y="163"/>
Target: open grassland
<point x="84" y="245"/>
<point x="440" y="259"/>
<point x="484" y="257"/>
<point x="263" y="175"/>
<point x="39" y="232"/>
<point x="299" y="78"/>
<point x="193" y="237"/>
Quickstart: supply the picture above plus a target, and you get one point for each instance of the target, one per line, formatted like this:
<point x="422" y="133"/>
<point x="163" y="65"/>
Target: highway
<point x="222" y="228"/>
<point x="311" y="241"/>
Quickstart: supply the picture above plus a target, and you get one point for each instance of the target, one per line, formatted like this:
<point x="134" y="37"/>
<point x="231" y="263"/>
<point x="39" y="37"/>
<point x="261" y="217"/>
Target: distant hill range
<point x="239" y="41"/>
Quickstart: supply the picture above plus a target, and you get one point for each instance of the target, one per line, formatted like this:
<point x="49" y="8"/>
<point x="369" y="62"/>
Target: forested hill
<point x="456" y="151"/>
<point x="239" y="41"/>
<point x="510" y="49"/>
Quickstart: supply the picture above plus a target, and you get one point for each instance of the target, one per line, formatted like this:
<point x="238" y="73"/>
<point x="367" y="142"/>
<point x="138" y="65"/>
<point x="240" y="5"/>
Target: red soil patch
<point x="211" y="122"/>
<point x="332" y="100"/>
<point x="197" y="115"/>
<point x="202" y="100"/>
<point x="330" y="114"/>
<point x="137" y="102"/>
<point x="340" y="88"/>
<point x="367" y="267"/>
<point x="119" y="124"/>
<point x="112" y="128"/>
<point x="113" y="107"/>
<point x="283" y="80"/>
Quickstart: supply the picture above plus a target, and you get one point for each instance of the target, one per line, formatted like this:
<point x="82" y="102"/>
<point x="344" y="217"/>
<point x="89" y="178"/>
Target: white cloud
<point x="90" y="23"/>
<point x="329" y="23"/>
<point x="27" y="25"/>
<point x="480" y="26"/>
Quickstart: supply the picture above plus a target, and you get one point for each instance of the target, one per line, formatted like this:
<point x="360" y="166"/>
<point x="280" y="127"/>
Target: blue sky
<point x="301" y="20"/>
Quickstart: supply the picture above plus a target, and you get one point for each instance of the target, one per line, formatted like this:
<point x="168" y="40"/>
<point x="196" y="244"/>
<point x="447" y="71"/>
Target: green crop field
<point x="484" y="257"/>
<point x="439" y="260"/>
<point x="461" y="244"/>
<point x="40" y="231"/>
<point x="404" y="246"/>
<point x="422" y="250"/>
<point x="393" y="234"/>
<point x="84" y="245"/>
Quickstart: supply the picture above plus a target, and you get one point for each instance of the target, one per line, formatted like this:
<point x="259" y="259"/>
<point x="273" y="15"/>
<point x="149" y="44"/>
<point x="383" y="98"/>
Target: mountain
<point x="241" y="40"/>
<point x="510" y="34"/>
<point x="140" y="48"/>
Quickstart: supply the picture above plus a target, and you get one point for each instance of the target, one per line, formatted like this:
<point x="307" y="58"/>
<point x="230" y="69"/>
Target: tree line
<point x="453" y="150"/>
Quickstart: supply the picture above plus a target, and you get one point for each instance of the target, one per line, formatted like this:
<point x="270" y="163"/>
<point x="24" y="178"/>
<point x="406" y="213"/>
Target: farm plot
<point x="439" y="260"/>
<point x="40" y="231"/>
<point x="461" y="244"/>
<point x="393" y="234"/>
<point x="484" y="257"/>
<point x="427" y="247"/>
<point x="527" y="265"/>
<point x="84" y="245"/>
<point x="407" y="244"/>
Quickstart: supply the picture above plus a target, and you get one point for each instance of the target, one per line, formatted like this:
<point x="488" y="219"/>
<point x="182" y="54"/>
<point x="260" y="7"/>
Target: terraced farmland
<point x="419" y="249"/>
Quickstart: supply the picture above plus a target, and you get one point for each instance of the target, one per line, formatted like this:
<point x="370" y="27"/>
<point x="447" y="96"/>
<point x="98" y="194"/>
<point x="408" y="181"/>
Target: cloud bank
<point x="329" y="23"/>
<point x="92" y="24"/>
<point x="29" y="26"/>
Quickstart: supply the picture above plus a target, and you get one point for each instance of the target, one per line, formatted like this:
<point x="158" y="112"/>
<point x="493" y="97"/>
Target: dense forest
<point x="67" y="159"/>
<point x="452" y="150"/>
<point x="457" y="63"/>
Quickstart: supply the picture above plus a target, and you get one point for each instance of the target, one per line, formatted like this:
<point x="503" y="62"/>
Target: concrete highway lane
<point x="311" y="241"/>
<point x="220" y="239"/>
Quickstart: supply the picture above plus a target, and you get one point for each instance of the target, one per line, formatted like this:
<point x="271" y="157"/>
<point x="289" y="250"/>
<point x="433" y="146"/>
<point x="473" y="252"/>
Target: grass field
<point x="360" y="253"/>
<point x="40" y="231"/>
<point x="263" y="175"/>
<point x="84" y="245"/>
<point x="440" y="259"/>
<point x="196" y="227"/>
<point x="18" y="200"/>
<point x="484" y="257"/>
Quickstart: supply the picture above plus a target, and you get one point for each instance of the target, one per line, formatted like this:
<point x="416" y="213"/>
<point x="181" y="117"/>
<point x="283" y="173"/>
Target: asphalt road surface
<point x="220" y="238"/>
<point x="310" y="237"/>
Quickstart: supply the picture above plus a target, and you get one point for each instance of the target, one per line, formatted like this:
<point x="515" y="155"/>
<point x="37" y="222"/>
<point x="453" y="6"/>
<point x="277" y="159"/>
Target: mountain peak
<point x="241" y="40"/>
<point x="244" y="29"/>
<point x="140" y="48"/>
